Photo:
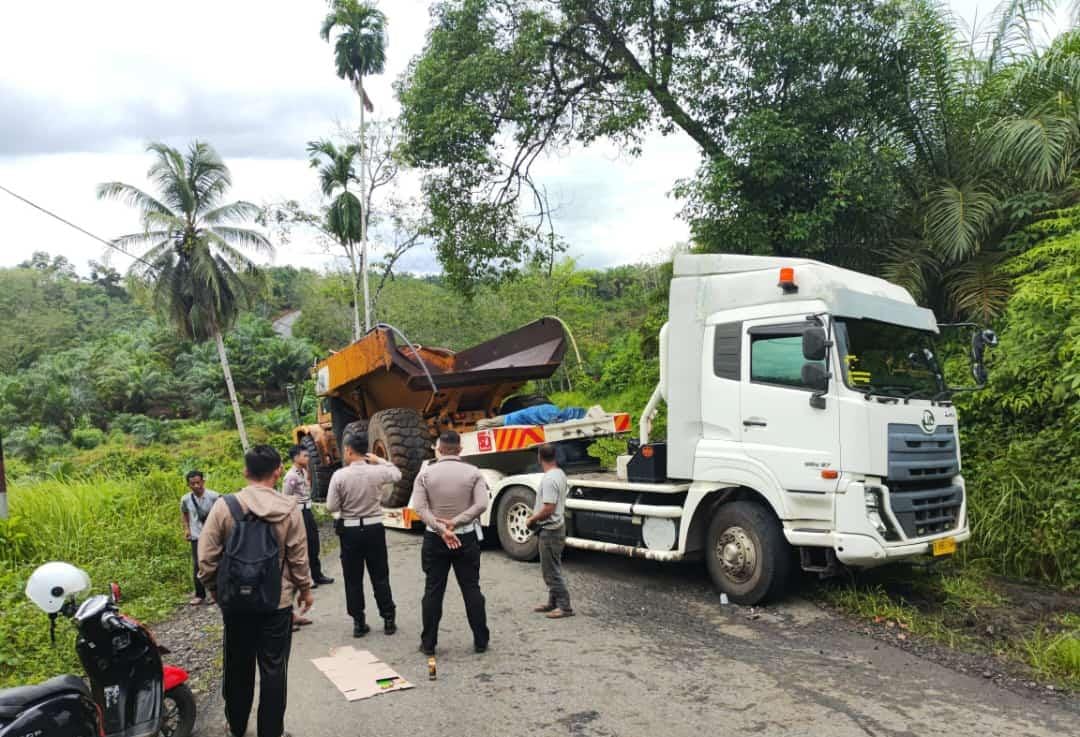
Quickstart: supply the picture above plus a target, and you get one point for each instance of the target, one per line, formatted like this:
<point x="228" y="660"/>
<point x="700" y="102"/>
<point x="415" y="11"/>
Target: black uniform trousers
<point x="200" y="590"/>
<point x="312" y="530"/>
<point x="365" y="547"/>
<point x="249" y="639"/>
<point x="437" y="560"/>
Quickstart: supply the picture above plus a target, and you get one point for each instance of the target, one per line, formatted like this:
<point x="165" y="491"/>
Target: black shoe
<point x="427" y="650"/>
<point x="389" y="626"/>
<point x="359" y="628"/>
<point x="323" y="581"/>
<point x="480" y="648"/>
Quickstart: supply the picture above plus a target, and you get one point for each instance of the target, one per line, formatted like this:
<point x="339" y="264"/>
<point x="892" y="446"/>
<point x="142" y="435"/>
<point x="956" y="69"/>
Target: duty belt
<point x="362" y="522"/>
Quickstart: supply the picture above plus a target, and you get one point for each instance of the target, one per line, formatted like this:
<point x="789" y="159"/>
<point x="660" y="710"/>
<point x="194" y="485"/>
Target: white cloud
<point x="84" y="85"/>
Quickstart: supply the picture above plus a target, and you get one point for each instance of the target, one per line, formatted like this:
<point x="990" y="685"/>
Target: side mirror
<point x="814" y="344"/>
<point x="980" y="341"/>
<point x="815" y="376"/>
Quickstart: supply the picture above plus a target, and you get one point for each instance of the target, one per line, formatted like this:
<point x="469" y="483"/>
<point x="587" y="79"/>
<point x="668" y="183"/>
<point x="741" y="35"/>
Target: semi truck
<point x="808" y="424"/>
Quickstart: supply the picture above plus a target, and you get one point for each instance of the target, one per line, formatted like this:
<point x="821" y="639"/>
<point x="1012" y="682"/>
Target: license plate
<point x="945" y="546"/>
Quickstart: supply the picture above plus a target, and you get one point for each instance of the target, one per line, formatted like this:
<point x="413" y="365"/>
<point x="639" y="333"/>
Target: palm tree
<point x="193" y="261"/>
<point x="359" y="51"/>
<point x="344" y="216"/>
<point x="985" y="147"/>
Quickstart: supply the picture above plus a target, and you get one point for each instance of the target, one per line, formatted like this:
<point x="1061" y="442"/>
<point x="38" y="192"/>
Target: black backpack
<point x="249" y="577"/>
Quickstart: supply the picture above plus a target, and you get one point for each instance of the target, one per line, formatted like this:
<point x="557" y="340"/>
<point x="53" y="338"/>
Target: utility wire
<point x="70" y="224"/>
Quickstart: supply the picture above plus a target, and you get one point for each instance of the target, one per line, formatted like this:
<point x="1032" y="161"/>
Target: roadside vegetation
<point x="871" y="135"/>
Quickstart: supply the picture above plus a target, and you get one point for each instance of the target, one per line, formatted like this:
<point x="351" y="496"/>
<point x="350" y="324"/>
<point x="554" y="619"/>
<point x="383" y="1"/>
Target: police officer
<point x="450" y="495"/>
<point x="355" y="494"/>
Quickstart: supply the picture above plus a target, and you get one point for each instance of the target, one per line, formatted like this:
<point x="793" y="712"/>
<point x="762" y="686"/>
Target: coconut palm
<point x="359" y="51"/>
<point x="344" y="216"/>
<point x="193" y="260"/>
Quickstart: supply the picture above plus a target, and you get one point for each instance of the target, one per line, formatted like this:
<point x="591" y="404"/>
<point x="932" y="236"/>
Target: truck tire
<point x="746" y="553"/>
<point x="523" y="401"/>
<point x="319" y="472"/>
<point x="400" y="436"/>
<point x="515" y="506"/>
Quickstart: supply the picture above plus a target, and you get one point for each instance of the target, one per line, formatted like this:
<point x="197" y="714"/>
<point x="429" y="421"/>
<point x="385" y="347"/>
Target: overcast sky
<point x="83" y="87"/>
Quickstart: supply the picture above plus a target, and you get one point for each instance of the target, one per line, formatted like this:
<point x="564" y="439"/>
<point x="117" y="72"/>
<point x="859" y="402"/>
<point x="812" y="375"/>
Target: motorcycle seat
<point x="13" y="701"/>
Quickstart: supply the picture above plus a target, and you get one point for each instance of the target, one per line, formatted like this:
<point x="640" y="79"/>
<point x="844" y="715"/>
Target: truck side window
<point x="777" y="359"/>
<point x="727" y="344"/>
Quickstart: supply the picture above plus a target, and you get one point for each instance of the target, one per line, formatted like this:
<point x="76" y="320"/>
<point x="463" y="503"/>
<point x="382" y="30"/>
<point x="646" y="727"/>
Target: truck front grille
<point x="921" y="468"/>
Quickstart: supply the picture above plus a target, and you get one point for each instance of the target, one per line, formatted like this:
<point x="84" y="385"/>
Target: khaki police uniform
<point x="355" y="494"/>
<point x="453" y="490"/>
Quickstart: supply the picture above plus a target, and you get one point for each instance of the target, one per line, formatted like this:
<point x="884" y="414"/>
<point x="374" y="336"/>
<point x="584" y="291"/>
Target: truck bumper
<point x="865" y="551"/>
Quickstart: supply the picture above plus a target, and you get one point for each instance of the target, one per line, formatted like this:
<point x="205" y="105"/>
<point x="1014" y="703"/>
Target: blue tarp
<point x="544" y="414"/>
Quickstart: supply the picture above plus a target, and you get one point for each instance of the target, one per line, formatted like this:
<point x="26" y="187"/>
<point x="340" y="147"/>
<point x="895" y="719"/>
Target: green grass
<point x="1055" y="655"/>
<point x="960" y="607"/>
<point x="122" y="530"/>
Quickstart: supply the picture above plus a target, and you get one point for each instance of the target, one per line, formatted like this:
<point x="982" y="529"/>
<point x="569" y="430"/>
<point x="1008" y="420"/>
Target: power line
<point x="82" y="230"/>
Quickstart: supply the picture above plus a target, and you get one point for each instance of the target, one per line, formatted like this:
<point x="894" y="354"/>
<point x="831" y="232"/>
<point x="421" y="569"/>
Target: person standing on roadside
<point x="252" y="637"/>
<point x="450" y="495"/>
<point x="297" y="484"/>
<point x="548" y="521"/>
<point x="195" y="507"/>
<point x="355" y="494"/>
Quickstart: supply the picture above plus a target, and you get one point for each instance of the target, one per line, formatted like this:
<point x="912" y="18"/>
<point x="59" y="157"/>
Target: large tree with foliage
<point x="193" y="260"/>
<point x="359" y="51"/>
<point x="778" y="95"/>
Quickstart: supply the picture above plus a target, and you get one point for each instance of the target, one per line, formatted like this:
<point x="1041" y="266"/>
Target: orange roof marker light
<point x="787" y="280"/>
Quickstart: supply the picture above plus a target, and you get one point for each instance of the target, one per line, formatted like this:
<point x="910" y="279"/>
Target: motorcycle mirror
<point x="114" y="592"/>
<point x="52" y="628"/>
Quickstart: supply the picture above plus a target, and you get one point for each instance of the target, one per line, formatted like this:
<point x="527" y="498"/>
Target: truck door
<point x="779" y="427"/>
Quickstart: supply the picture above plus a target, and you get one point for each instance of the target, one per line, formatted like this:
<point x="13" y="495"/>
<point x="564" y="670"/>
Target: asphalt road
<point x="651" y="652"/>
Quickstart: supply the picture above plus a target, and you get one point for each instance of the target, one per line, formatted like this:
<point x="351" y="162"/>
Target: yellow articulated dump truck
<point x="405" y="395"/>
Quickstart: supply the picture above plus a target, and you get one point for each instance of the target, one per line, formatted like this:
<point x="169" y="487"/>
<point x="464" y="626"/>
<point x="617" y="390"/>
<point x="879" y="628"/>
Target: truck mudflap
<point x="864" y="551"/>
<point x="627" y="551"/>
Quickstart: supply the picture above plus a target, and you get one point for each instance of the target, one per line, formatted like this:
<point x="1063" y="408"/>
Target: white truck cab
<point x="806" y="411"/>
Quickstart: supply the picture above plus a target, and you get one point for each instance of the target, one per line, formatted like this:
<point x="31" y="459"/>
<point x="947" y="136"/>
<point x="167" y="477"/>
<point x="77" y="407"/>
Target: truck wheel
<point x="523" y="401"/>
<point x="178" y="712"/>
<point x="515" y="506"/>
<point x="320" y="472"/>
<point x="746" y="554"/>
<point x="400" y="436"/>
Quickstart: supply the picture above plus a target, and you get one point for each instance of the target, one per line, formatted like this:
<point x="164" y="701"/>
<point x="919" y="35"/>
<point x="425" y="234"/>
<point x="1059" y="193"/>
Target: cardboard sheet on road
<point x="358" y="674"/>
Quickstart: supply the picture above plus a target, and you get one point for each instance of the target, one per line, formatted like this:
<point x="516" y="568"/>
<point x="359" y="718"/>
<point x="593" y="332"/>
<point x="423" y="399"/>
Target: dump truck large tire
<point x="523" y="401"/>
<point x="400" y="436"/>
<point x="319" y="472"/>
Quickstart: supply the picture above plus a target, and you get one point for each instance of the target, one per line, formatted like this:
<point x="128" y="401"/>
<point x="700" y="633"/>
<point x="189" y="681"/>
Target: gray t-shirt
<point x="553" y="489"/>
<point x="198" y="509"/>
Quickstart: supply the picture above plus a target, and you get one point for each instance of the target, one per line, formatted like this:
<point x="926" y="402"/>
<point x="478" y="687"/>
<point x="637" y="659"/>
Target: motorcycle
<point x="131" y="693"/>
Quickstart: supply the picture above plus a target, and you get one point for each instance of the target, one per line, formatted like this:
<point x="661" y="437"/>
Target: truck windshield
<point x="892" y="360"/>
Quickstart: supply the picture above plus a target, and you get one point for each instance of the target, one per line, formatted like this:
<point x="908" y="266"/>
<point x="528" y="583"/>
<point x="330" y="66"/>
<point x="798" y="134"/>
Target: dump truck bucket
<point x="377" y="373"/>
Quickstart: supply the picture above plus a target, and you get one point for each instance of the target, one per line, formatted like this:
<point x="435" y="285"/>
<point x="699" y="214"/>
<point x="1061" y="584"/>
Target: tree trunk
<point x="355" y="292"/>
<point x="364" y="210"/>
<point x="220" y="341"/>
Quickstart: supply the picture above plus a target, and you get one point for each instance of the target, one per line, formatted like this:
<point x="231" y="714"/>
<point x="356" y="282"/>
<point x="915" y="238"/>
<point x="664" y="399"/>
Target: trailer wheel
<point x="746" y="554"/>
<point x="400" y="436"/>
<point x="320" y="472"/>
<point x="515" y="506"/>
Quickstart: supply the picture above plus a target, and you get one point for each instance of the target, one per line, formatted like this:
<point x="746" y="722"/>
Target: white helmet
<point x="52" y="583"/>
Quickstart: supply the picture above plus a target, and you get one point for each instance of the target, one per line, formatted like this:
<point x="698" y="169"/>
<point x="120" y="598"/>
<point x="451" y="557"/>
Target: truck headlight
<point x="872" y="496"/>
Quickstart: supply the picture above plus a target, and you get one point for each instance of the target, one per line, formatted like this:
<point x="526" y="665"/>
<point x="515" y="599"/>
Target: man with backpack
<point x="253" y="557"/>
<point x="195" y="507"/>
